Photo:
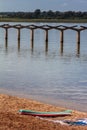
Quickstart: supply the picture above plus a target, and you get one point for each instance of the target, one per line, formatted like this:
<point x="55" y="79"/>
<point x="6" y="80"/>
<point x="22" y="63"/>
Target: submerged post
<point x="32" y="45"/>
<point x="32" y="35"/>
<point x="61" y="40"/>
<point x="78" y="30"/>
<point x="61" y="47"/>
<point x="46" y="28"/>
<point x="78" y="41"/>
<point x="6" y="33"/>
<point x="18" y="33"/>
<point x="78" y="36"/>
<point x="6" y="44"/>
<point x="46" y="35"/>
<point x="46" y="46"/>
<point x="18" y="45"/>
<point x="61" y="36"/>
<point x="32" y="39"/>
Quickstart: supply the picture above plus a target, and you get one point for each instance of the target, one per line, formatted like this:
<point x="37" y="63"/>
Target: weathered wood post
<point x="61" y="40"/>
<point x="32" y="34"/>
<point x="46" y="46"/>
<point x="6" y="33"/>
<point x="46" y="35"/>
<point x="6" y="44"/>
<point x="6" y="27"/>
<point x="78" y="37"/>
<point x="61" y="47"/>
<point x="32" y="39"/>
<point x="46" y="28"/>
<point x="18" y="27"/>
<point x="18" y="45"/>
<point x="46" y="39"/>
<point x="32" y="46"/>
<point x="61" y="36"/>
<point x="18" y="34"/>
<point x="78" y="41"/>
<point x="78" y="30"/>
<point x="32" y="28"/>
<point x="61" y="28"/>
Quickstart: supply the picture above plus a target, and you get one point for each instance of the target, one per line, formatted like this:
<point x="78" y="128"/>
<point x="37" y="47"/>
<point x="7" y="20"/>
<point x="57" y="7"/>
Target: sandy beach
<point x="10" y="119"/>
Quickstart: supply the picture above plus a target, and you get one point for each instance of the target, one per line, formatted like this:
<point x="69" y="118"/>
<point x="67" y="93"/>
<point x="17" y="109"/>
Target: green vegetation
<point x="44" y="16"/>
<point x="44" y="20"/>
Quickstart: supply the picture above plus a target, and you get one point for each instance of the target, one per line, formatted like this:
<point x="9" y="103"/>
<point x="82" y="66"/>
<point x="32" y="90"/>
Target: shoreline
<point x="11" y="119"/>
<point x="44" y="20"/>
<point x="47" y="100"/>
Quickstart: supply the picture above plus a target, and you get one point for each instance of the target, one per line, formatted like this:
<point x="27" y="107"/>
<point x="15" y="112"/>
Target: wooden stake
<point x="18" y="33"/>
<point x="61" y="36"/>
<point x="46" y="35"/>
<point x="78" y="42"/>
<point x="32" y="35"/>
<point x="6" y="33"/>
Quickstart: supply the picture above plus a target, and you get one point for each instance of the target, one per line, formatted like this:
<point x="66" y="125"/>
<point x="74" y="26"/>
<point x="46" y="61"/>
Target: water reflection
<point x="6" y="44"/>
<point x="46" y="48"/>
<point x="78" y="48"/>
<point x="45" y="73"/>
<point x="32" y="46"/>
<point x="18" y="45"/>
<point x="61" y="48"/>
<point x="44" y="68"/>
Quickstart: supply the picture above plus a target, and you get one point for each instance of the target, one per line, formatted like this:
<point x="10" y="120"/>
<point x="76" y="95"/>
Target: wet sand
<point x="10" y="119"/>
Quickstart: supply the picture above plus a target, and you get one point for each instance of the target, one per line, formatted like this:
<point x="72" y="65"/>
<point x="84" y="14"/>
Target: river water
<point x="49" y="76"/>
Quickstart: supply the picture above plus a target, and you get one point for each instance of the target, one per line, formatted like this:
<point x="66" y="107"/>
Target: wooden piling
<point x="32" y="39"/>
<point x="46" y="35"/>
<point x="61" y="40"/>
<point x="32" y="45"/>
<point x="46" y="28"/>
<point x="78" y="36"/>
<point x="18" y="45"/>
<point x="18" y="33"/>
<point x="46" y="46"/>
<point x="61" y="36"/>
<point x="61" y="47"/>
<point x="78" y="41"/>
<point x="32" y="35"/>
<point x="6" y="44"/>
<point x="6" y="33"/>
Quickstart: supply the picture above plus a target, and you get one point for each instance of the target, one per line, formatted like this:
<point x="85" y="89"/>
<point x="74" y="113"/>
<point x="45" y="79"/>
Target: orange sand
<point x="10" y="119"/>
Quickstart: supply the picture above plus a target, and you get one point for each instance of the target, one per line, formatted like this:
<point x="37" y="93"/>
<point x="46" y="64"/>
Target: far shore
<point x="44" y="20"/>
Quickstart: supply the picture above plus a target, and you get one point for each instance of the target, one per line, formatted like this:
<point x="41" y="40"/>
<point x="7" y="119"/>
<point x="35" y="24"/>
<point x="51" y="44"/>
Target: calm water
<point x="46" y="76"/>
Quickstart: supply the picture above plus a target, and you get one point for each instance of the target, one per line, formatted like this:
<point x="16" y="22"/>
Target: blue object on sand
<point x="81" y="122"/>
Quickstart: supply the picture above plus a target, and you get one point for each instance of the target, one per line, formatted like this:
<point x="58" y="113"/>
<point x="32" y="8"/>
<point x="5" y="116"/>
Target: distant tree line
<point x="38" y="14"/>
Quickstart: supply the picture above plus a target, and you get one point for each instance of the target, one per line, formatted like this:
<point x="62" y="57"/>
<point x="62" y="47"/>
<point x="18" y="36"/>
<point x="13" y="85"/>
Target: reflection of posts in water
<point x="61" y="47"/>
<point x="46" y="28"/>
<point x="32" y="46"/>
<point x="46" y="35"/>
<point x="46" y="40"/>
<point x="32" y="35"/>
<point x="6" y="33"/>
<point x="32" y="39"/>
<point x="18" y="45"/>
<point x="18" y="33"/>
<point x="61" y="40"/>
<point x="6" y="44"/>
<point x="61" y="36"/>
<point x="78" y="42"/>
<point x="46" y="46"/>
